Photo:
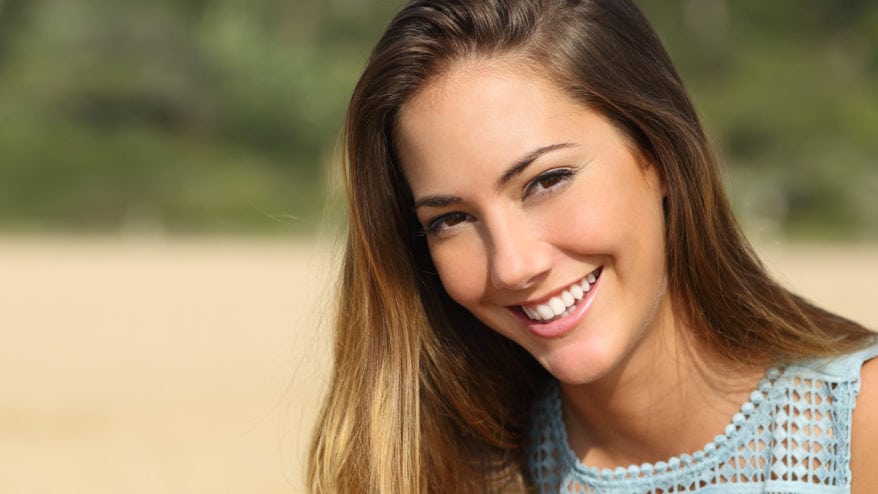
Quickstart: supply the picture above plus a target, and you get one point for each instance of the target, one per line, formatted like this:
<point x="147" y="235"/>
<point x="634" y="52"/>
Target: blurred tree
<point x="221" y="115"/>
<point x="789" y="91"/>
<point x="12" y="15"/>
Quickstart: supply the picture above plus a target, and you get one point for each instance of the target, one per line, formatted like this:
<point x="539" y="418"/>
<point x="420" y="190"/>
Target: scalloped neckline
<point x="707" y="455"/>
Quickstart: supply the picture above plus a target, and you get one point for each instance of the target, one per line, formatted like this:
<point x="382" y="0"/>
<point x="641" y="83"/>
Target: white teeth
<point x="564" y="303"/>
<point x="545" y="311"/>
<point x="557" y="306"/>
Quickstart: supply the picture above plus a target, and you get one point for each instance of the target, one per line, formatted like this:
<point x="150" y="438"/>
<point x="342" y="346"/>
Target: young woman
<point x="544" y="287"/>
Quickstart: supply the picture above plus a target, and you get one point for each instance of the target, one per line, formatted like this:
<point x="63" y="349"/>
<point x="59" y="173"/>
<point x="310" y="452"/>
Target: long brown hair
<point x="425" y="398"/>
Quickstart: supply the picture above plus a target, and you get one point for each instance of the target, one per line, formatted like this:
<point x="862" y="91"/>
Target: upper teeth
<point x="561" y="304"/>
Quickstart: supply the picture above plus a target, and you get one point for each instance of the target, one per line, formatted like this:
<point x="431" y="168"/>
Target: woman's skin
<point x="523" y="192"/>
<point x="864" y="443"/>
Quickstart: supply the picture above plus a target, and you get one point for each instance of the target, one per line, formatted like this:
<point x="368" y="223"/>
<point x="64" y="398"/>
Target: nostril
<point x="517" y="275"/>
<point x="518" y="258"/>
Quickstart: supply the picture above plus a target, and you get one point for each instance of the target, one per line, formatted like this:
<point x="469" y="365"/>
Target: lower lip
<point x="557" y="328"/>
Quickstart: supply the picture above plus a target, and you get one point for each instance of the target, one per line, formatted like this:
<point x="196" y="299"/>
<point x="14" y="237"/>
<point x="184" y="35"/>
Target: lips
<point x="563" y="303"/>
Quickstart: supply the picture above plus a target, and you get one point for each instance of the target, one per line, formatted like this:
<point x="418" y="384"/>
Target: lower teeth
<point x="568" y="311"/>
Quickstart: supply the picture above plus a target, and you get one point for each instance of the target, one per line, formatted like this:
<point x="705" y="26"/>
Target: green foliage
<point x="789" y="91"/>
<point x="204" y="115"/>
<point x="220" y="115"/>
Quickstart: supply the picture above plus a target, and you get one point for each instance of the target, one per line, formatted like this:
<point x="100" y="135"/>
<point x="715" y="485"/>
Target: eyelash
<point x="559" y="176"/>
<point x="435" y="226"/>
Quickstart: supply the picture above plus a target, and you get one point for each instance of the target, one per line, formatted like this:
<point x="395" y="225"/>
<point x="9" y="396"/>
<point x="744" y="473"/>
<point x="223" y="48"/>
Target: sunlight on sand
<point x="197" y="366"/>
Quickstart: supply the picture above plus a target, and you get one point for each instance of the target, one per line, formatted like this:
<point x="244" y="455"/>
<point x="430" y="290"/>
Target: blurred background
<point x="169" y="220"/>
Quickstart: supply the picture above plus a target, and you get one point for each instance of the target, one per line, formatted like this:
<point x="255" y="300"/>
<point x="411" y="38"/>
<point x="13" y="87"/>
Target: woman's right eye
<point x="445" y="222"/>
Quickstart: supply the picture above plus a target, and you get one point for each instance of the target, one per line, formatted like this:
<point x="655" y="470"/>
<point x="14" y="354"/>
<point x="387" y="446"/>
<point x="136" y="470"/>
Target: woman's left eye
<point x="549" y="180"/>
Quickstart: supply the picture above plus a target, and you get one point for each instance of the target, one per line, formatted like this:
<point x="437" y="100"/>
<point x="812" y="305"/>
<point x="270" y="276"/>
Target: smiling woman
<point x="536" y="214"/>
<point x="545" y="289"/>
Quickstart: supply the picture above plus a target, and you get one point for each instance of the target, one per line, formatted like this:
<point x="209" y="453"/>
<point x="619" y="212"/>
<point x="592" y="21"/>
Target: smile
<point x="565" y="302"/>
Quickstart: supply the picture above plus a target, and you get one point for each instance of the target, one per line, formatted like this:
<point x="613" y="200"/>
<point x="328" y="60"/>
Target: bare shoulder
<point x="864" y="432"/>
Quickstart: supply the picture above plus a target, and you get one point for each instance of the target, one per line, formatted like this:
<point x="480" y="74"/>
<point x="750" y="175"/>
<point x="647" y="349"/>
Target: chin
<point x="574" y="367"/>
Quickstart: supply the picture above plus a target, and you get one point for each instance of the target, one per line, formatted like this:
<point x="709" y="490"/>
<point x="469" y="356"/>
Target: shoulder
<point x="840" y="368"/>
<point x="864" y="431"/>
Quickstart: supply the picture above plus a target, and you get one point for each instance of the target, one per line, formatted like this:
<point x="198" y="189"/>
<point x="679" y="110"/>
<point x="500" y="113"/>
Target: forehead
<point x="484" y="112"/>
<point x="478" y="81"/>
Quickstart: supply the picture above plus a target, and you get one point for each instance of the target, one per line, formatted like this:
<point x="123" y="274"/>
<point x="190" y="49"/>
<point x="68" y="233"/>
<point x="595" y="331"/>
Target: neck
<point x="668" y="397"/>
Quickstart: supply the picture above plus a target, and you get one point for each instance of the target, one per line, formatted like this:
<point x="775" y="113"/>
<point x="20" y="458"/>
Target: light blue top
<point x="792" y="437"/>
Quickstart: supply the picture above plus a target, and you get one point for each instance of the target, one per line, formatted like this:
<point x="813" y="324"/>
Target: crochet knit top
<point x="792" y="436"/>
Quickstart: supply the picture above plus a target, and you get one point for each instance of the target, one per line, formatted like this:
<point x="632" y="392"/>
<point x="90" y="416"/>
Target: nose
<point x="519" y="258"/>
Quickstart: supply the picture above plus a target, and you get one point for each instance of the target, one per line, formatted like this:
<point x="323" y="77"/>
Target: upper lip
<point x="545" y="298"/>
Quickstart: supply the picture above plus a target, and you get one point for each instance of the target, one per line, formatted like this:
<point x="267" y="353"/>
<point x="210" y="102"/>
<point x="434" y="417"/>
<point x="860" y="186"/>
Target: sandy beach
<point x="196" y="365"/>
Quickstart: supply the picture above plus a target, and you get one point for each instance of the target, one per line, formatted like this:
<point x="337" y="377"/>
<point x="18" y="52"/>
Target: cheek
<point x="462" y="268"/>
<point x="578" y="222"/>
<point x="615" y="217"/>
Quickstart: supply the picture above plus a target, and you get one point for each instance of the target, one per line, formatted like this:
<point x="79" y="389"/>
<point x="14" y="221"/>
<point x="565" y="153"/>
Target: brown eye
<point x="454" y="219"/>
<point x="548" y="181"/>
<point x="446" y="221"/>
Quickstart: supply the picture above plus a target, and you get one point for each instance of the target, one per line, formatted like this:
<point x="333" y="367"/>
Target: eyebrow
<point x="522" y="164"/>
<point x="438" y="201"/>
<point x="442" y="200"/>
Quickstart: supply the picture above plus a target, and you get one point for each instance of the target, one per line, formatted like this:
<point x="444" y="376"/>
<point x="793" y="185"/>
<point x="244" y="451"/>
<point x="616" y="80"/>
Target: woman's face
<point x="540" y="218"/>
